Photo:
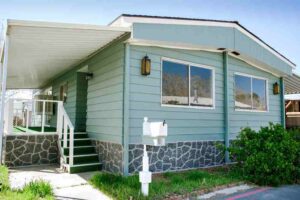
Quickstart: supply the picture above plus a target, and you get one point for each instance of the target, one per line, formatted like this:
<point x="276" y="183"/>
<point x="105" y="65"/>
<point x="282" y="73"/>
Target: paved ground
<point x="245" y="192"/>
<point x="66" y="186"/>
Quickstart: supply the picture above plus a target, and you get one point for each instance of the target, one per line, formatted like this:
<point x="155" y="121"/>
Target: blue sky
<point x="277" y="22"/>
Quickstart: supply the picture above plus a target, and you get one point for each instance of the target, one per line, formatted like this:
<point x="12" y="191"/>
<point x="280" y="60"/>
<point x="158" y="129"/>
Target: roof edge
<point x="292" y="64"/>
<point x="43" y="24"/>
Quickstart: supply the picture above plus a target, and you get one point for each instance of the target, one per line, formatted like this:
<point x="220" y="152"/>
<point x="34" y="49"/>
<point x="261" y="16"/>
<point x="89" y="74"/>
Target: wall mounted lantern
<point x="146" y="66"/>
<point x="276" y="88"/>
<point x="89" y="76"/>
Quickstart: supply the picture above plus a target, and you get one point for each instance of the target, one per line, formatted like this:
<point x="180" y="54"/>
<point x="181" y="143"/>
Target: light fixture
<point x="146" y="66"/>
<point x="89" y="76"/>
<point x="221" y="49"/>
<point x="235" y="53"/>
<point x="276" y="88"/>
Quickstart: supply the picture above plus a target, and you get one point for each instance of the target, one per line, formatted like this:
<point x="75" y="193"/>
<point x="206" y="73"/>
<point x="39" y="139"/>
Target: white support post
<point x="71" y="145"/>
<point x="43" y="116"/>
<point x="27" y="119"/>
<point x="10" y="116"/>
<point x="145" y="175"/>
<point x="59" y="120"/>
<point x="3" y="93"/>
<point x="65" y="132"/>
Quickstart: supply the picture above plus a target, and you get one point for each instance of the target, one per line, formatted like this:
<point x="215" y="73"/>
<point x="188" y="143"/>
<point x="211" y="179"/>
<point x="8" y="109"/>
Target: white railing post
<point x="71" y="147"/>
<point x="10" y="116"/>
<point x="43" y="116"/>
<point x="65" y="131"/>
<point x="59" y="120"/>
<point x="27" y="117"/>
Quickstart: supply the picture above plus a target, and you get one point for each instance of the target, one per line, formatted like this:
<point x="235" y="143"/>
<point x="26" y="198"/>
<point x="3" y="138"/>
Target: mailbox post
<point x="154" y="133"/>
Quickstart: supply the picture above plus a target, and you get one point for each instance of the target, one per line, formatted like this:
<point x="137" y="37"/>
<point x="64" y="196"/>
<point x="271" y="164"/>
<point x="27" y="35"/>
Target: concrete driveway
<point x="66" y="186"/>
<point x="290" y="192"/>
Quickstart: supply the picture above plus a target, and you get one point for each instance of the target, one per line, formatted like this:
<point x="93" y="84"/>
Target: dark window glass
<point x="243" y="92"/>
<point x="175" y="83"/>
<point x="201" y="87"/>
<point x="259" y="94"/>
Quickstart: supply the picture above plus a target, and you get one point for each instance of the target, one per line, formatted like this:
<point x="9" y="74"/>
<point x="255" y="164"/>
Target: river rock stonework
<point x="24" y="150"/>
<point x="176" y="156"/>
<point x="110" y="156"/>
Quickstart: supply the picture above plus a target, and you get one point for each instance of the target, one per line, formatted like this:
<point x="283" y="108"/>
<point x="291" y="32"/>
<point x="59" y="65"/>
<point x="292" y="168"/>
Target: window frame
<point x="189" y="82"/>
<point x="256" y="77"/>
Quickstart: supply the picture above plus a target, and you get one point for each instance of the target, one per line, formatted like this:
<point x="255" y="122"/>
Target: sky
<point x="277" y="22"/>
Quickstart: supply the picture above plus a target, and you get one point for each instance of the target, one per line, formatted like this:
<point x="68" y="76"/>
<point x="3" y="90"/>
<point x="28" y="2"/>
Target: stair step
<point x="78" y="142"/>
<point x="79" y="135"/>
<point x="85" y="167"/>
<point x="83" y="159"/>
<point x="80" y="150"/>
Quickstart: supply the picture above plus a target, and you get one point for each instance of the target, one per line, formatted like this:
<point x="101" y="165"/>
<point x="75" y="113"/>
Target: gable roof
<point x="197" y="21"/>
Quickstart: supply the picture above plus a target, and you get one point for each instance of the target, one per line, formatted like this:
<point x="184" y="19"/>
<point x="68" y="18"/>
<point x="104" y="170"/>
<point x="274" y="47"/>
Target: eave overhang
<point x="41" y="51"/>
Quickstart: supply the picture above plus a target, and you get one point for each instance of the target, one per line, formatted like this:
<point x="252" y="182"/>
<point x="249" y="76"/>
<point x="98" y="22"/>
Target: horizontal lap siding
<point x="185" y="124"/>
<point x="239" y="119"/>
<point x="105" y="94"/>
<point x="70" y="104"/>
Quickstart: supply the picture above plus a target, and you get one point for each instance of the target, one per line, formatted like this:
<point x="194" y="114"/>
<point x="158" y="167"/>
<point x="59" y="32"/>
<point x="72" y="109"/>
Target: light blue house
<point x="208" y="78"/>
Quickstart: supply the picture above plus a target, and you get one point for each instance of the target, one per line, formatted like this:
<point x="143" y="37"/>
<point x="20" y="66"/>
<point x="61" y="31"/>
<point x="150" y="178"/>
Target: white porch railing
<point x="64" y="125"/>
<point x="35" y="116"/>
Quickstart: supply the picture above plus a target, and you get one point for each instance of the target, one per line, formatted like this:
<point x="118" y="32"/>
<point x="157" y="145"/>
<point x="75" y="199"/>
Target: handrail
<point x="65" y="124"/>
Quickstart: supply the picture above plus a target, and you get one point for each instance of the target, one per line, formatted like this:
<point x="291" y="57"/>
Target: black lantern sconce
<point x="89" y="76"/>
<point x="276" y="89"/>
<point x="146" y="66"/>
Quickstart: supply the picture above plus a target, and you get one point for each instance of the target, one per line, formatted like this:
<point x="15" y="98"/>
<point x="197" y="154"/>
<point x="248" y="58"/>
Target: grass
<point x="19" y="129"/>
<point x="166" y="184"/>
<point x="35" y="190"/>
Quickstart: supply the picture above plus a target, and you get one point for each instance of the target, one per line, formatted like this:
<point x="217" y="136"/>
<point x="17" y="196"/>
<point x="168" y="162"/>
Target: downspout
<point x="125" y="134"/>
<point x="3" y="93"/>
<point x="282" y="102"/>
<point x="226" y="106"/>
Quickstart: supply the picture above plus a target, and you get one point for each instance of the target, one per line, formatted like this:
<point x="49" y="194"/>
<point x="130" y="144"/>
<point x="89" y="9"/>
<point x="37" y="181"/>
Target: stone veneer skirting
<point x="24" y="150"/>
<point x="110" y="156"/>
<point x="176" y="156"/>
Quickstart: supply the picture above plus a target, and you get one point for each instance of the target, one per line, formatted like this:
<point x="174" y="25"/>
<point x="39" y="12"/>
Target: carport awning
<point x="41" y="51"/>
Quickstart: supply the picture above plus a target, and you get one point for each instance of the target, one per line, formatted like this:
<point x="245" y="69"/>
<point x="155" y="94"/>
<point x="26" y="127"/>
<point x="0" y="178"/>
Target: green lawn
<point x="21" y="129"/>
<point x="166" y="184"/>
<point x="37" y="190"/>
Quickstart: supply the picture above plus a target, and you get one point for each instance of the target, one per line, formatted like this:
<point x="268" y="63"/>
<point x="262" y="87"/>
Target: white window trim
<point x="267" y="92"/>
<point x="189" y="68"/>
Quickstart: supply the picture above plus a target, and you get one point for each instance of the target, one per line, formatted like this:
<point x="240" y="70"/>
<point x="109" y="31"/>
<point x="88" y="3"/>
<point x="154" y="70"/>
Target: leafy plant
<point x="268" y="156"/>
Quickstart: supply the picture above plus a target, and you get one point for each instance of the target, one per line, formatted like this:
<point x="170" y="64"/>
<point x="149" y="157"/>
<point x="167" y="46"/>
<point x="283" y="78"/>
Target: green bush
<point x="267" y="157"/>
<point x="38" y="188"/>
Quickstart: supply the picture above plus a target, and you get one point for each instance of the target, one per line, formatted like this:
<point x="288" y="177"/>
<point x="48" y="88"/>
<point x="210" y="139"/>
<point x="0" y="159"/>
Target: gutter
<point x="226" y="106"/>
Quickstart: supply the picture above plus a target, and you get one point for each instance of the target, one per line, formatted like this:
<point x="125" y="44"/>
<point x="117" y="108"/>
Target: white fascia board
<point x="40" y="24"/>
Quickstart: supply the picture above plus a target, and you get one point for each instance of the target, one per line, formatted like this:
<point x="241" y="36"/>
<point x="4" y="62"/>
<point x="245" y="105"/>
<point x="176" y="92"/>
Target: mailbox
<point x="154" y="133"/>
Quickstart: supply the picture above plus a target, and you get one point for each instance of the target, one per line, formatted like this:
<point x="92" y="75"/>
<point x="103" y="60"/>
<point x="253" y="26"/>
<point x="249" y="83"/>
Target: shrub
<point x="268" y="156"/>
<point x="38" y="188"/>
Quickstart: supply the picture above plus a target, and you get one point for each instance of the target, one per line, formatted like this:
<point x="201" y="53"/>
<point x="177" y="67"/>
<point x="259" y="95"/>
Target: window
<point x="250" y="93"/>
<point x="187" y="84"/>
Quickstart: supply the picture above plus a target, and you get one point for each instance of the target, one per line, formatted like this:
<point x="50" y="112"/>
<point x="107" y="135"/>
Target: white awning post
<point x="3" y="92"/>
<point x="43" y="116"/>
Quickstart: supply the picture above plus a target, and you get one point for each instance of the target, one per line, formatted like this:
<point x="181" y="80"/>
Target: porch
<point x="42" y="130"/>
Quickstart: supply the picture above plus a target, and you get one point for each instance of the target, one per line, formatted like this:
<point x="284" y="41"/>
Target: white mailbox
<point x="155" y="131"/>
